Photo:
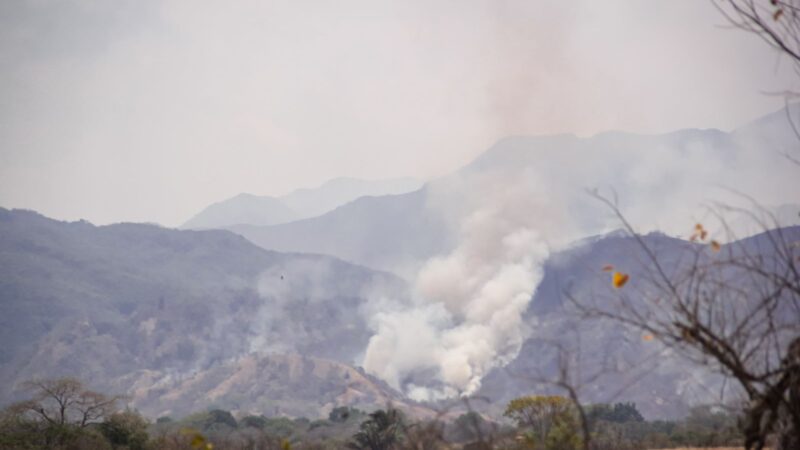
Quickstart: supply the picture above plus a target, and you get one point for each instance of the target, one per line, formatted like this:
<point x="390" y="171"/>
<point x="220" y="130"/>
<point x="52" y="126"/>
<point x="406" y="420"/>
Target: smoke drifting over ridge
<point x="526" y="198"/>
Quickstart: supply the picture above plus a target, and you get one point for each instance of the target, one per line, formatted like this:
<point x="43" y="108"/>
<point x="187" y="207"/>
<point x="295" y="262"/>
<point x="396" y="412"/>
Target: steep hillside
<point x="104" y="302"/>
<point x="270" y="384"/>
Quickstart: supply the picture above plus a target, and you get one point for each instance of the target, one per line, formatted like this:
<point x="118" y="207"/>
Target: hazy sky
<point x="149" y="111"/>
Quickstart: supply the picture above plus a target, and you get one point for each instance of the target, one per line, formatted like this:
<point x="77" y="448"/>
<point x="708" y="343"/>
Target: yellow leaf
<point x="699" y="233"/>
<point x="286" y="445"/>
<point x="648" y="337"/>
<point x="715" y="246"/>
<point x="619" y="279"/>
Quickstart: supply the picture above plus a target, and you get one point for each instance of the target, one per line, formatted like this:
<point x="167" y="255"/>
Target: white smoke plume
<point x="467" y="315"/>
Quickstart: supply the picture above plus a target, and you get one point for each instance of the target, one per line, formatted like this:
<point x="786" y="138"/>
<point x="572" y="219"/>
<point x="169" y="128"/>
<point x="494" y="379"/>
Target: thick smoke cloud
<point x="468" y="308"/>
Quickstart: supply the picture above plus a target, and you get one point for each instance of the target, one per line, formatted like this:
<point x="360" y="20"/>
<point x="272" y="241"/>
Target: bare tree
<point x="59" y="413"/>
<point x="734" y="307"/>
<point x="777" y="22"/>
<point x="66" y="401"/>
<point x="774" y="21"/>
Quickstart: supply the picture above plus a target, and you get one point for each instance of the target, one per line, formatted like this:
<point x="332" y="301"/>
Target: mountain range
<point x="273" y="311"/>
<point x="186" y="320"/>
<point x="128" y="301"/>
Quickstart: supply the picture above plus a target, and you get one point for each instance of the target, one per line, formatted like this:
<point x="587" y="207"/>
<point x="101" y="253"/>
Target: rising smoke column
<point x="467" y="315"/>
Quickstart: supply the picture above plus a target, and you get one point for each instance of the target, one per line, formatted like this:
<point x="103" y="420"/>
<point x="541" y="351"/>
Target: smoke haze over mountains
<point x="169" y="106"/>
<point x="526" y="198"/>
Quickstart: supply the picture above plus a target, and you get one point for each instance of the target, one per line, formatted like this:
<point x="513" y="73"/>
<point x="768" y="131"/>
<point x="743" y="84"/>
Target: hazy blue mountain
<point x="248" y="209"/>
<point x="107" y="302"/>
<point x="243" y="208"/>
<point x="386" y="233"/>
<point x="339" y="191"/>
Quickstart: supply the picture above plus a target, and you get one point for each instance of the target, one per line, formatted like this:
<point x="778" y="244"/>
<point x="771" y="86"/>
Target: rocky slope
<point x="270" y="384"/>
<point x="101" y="303"/>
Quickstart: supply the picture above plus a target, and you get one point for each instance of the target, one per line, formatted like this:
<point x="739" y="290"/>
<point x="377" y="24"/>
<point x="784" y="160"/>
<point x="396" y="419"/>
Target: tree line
<point x="63" y="414"/>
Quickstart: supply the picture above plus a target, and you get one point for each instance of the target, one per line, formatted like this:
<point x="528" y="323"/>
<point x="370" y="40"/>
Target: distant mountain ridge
<point x="249" y="209"/>
<point x="385" y="232"/>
